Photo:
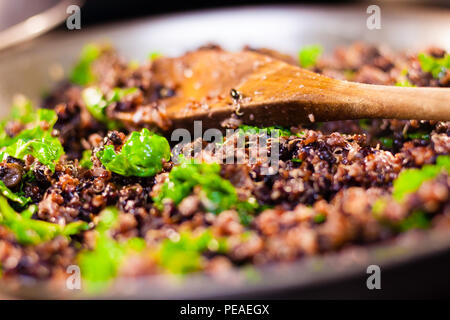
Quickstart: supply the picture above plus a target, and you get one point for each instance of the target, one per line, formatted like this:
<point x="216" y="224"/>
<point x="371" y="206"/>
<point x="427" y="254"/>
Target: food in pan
<point x="80" y="186"/>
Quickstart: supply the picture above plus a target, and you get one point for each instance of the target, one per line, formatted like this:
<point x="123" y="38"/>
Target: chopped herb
<point x="101" y="265"/>
<point x="308" y="55"/>
<point x="96" y="102"/>
<point x="133" y="65"/>
<point x="404" y="83"/>
<point x="364" y="124"/>
<point x="6" y="192"/>
<point x="85" y="161"/>
<point x="319" y="218"/>
<point x="218" y="194"/>
<point x="154" y="55"/>
<point x="22" y="110"/>
<point x="246" y="210"/>
<point x="378" y="207"/>
<point x="436" y="66"/>
<point x="36" y="141"/>
<point x="185" y="254"/>
<point x="142" y="155"/>
<point x="418" y="135"/>
<point x="277" y="130"/>
<point x="349" y="74"/>
<point x="251" y="274"/>
<point x="31" y="231"/>
<point x="82" y="72"/>
<point x="410" y="180"/>
<point x="416" y="220"/>
<point x="387" y="142"/>
<point x="235" y="95"/>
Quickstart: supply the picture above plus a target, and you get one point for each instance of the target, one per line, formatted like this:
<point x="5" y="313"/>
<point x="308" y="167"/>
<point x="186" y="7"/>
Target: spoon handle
<point x="376" y="101"/>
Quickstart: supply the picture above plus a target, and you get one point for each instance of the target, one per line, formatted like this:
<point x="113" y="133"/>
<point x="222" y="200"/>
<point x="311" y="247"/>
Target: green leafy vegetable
<point x="387" y="142"/>
<point x="22" y="110"/>
<point x="219" y="194"/>
<point x="277" y="130"/>
<point x="319" y="218"/>
<point x="404" y="83"/>
<point x="6" y="192"/>
<point x="185" y="254"/>
<point x="31" y="231"/>
<point x="364" y="123"/>
<point x="436" y="66"/>
<point x="85" y="161"/>
<point x="378" y="207"/>
<point x="410" y="180"/>
<point x="82" y="72"/>
<point x="416" y="220"/>
<point x="142" y="155"/>
<point x="36" y="141"/>
<point x="96" y="103"/>
<point x="101" y="265"/>
<point x="154" y="55"/>
<point x="402" y="80"/>
<point x="418" y="135"/>
<point x="308" y="55"/>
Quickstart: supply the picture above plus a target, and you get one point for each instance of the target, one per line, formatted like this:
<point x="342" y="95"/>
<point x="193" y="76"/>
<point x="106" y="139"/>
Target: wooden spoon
<point x="270" y="91"/>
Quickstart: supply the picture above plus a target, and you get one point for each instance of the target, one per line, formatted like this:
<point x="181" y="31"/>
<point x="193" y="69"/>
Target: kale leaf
<point x="142" y="155"/>
<point x="410" y="180"/>
<point x="31" y="231"/>
<point x="308" y="55"/>
<point x="82" y="72"/>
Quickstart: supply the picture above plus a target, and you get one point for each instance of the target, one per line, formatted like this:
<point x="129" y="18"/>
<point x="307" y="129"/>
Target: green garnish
<point x="416" y="220"/>
<point x="378" y="207"/>
<point x="82" y="72"/>
<point x="436" y="66"/>
<point x="85" y="161"/>
<point x="36" y="141"/>
<point x="308" y="55"/>
<point x="364" y="124"/>
<point x="101" y="265"/>
<point x="22" y="110"/>
<point x="387" y="142"/>
<point x="404" y="83"/>
<point x="154" y="55"/>
<point x="410" y="180"/>
<point x="418" y="135"/>
<point x="96" y="102"/>
<point x="277" y="130"/>
<point x="142" y="155"/>
<point x="6" y="192"/>
<point x="218" y="194"/>
<point x="31" y="231"/>
<point x="319" y="218"/>
<point x="185" y="254"/>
